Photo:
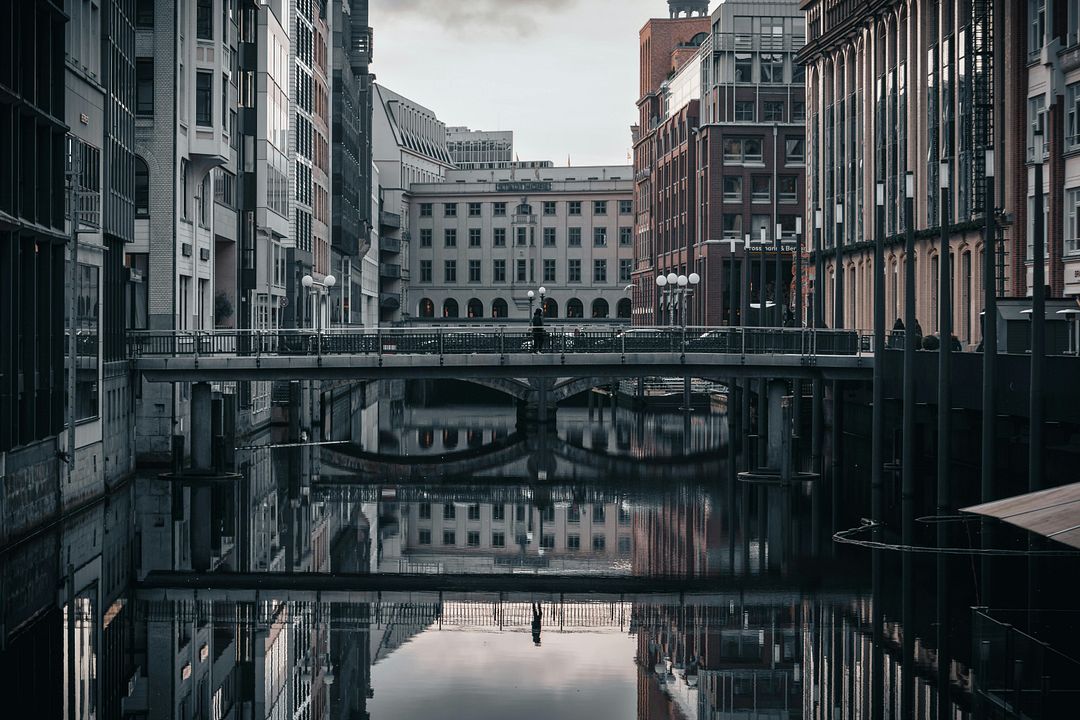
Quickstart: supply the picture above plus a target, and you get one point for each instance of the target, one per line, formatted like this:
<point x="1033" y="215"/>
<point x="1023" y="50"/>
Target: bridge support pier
<point x="201" y="431"/>
<point x="778" y="434"/>
<point x="539" y="408"/>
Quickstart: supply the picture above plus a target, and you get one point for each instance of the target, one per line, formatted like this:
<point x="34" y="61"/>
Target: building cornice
<point x="846" y="29"/>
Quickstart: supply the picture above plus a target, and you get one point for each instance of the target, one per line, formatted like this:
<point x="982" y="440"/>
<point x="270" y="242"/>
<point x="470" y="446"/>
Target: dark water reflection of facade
<point x="783" y="626"/>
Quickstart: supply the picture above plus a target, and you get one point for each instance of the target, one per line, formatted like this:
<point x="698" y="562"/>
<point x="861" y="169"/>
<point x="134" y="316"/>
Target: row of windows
<point x="771" y="111"/>
<point x="500" y="309"/>
<point x="498" y="540"/>
<point x="526" y="236"/>
<point x="734" y="228"/>
<point x="550" y="207"/>
<point x="761" y="188"/>
<point x="525" y="271"/>
<point x="769" y="68"/>
<point x="748" y="150"/>
<point x="498" y="513"/>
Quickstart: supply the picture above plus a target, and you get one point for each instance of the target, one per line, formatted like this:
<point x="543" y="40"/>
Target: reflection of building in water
<point x="431" y="431"/>
<point x="63" y="610"/>
<point x="672" y="537"/>
<point x="643" y="435"/>
<point x="266" y="520"/>
<point x="480" y="537"/>
<point x="720" y="662"/>
<point x="842" y="663"/>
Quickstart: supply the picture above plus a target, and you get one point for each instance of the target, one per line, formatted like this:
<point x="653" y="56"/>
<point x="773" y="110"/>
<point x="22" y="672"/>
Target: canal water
<point x="449" y="565"/>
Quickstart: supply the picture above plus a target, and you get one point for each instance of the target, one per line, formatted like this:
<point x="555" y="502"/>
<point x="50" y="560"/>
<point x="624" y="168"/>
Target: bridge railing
<point x="441" y="341"/>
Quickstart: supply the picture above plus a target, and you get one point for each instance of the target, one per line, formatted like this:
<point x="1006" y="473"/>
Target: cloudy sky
<point x="562" y="74"/>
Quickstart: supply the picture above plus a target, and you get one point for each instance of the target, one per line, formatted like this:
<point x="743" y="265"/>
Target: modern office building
<point x="355" y="230"/>
<point x="190" y="185"/>
<point x="67" y="134"/>
<point x="719" y="153"/>
<point x="480" y="149"/>
<point x="480" y="244"/>
<point x="896" y="88"/>
<point x="309" y="150"/>
<point x="409" y="146"/>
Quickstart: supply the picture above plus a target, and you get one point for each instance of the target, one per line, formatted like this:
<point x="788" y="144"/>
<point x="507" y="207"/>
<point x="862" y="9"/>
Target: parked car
<point x="719" y="341"/>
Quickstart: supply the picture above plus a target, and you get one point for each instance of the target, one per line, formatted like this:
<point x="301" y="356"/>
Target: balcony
<point x="391" y="271"/>
<point x="389" y="245"/>
<point x="389" y="301"/>
<point x="389" y="220"/>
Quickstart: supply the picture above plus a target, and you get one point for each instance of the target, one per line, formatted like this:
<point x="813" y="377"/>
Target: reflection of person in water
<point x="537" y="615"/>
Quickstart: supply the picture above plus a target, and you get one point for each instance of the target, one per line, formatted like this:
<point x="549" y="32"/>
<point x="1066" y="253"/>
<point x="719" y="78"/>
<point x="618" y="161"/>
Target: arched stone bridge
<point x="501" y="358"/>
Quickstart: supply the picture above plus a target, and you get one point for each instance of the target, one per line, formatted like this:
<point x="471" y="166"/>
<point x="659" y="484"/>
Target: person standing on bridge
<point x="538" y="332"/>
<point x="538" y="615"/>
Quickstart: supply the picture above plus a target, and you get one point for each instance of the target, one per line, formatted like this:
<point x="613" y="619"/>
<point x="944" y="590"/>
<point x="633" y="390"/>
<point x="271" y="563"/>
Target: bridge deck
<point x="446" y="353"/>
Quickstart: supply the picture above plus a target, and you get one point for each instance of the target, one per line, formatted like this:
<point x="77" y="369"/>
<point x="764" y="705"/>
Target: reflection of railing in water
<point x="491" y="494"/>
<point x="444" y="614"/>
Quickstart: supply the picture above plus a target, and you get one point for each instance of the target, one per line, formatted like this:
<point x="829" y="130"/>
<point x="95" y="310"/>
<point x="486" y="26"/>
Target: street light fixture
<point x="315" y="288"/>
<point x="532" y="299"/>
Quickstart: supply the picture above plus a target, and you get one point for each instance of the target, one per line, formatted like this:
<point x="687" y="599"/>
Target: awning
<point x="1054" y="513"/>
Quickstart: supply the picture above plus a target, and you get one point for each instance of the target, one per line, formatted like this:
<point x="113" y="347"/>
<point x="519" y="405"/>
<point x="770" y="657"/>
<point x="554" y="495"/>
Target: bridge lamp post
<point x="686" y="289"/>
<point x="661" y="283"/>
<point x="532" y="299"/>
<point x="316" y="289"/>
<point x="673" y="287"/>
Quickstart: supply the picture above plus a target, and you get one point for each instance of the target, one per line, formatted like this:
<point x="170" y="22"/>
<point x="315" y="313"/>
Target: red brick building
<point x="719" y="157"/>
<point x="663" y="198"/>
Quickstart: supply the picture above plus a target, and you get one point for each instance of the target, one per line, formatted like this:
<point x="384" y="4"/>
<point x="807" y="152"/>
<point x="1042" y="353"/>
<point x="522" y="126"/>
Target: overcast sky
<point x="562" y="74"/>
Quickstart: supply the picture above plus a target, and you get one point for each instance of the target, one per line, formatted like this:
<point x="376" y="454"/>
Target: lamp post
<point x="819" y="273"/>
<point x="989" y="335"/>
<point x="763" y="275"/>
<point x="661" y="283"/>
<point x="878" y="411"/>
<point x="838" y="299"/>
<point x="817" y="428"/>
<point x="687" y="284"/>
<point x="945" y="350"/>
<point x="778" y="293"/>
<point x="907" y="483"/>
<point x="908" y="448"/>
<point x="316" y="289"/>
<point x="798" y="305"/>
<point x="1038" y="321"/>
<point x="677" y="288"/>
<point x="747" y="268"/>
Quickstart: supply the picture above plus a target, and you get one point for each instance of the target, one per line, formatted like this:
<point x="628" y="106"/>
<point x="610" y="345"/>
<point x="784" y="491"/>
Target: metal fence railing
<point x="498" y="341"/>
<point x="1016" y="675"/>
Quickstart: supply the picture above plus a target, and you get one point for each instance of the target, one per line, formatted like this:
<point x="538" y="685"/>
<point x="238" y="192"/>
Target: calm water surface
<point x="448" y="566"/>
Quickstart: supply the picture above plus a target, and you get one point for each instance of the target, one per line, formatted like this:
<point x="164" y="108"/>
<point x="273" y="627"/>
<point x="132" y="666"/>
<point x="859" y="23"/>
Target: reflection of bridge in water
<point x="544" y="458"/>
<point x="506" y="611"/>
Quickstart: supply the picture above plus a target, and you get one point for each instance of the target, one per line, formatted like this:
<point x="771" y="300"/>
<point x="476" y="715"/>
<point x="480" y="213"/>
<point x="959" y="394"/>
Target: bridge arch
<point x="567" y="389"/>
<point x="517" y="389"/>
